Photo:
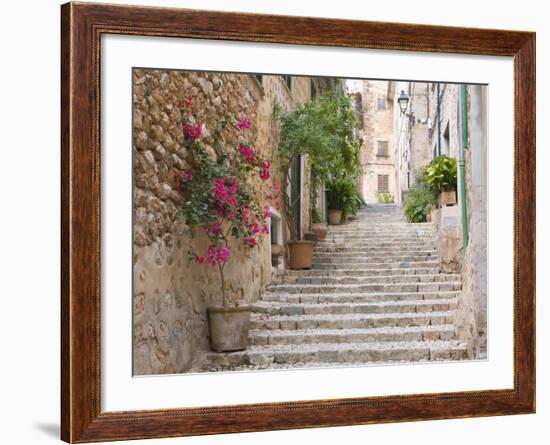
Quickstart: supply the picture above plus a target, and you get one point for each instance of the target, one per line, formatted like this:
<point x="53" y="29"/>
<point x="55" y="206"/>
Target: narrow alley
<point x="374" y="294"/>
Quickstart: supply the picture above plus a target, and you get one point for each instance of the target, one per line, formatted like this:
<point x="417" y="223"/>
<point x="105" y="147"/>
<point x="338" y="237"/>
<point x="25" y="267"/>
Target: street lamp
<point x="403" y="101"/>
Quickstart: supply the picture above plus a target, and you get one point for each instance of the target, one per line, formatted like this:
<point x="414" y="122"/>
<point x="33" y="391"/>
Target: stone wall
<point x="448" y="118"/>
<point x="171" y="292"/>
<point x="474" y="273"/>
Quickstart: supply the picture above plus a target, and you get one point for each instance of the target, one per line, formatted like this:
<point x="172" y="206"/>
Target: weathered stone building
<point x="377" y="150"/>
<point x="411" y="134"/>
<point x="450" y="119"/>
<point x="170" y="292"/>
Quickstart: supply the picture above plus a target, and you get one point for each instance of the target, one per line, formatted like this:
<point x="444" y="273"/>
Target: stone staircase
<point x="374" y="294"/>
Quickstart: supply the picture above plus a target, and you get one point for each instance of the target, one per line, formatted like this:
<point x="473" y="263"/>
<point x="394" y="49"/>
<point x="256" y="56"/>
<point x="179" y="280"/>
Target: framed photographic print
<point x="276" y="222"/>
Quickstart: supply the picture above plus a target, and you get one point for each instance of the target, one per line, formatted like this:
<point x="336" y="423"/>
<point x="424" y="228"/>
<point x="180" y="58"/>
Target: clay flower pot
<point x="301" y="254"/>
<point x="229" y="327"/>
<point x="320" y="230"/>
<point x="447" y="198"/>
<point x="334" y="217"/>
<point x="277" y="249"/>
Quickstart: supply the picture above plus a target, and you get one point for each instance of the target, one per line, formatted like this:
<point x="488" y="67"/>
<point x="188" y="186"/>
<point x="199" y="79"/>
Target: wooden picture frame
<point x="82" y="26"/>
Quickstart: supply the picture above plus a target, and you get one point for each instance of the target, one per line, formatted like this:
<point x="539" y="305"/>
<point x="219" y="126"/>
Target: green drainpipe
<point x="463" y="101"/>
<point x="326" y="207"/>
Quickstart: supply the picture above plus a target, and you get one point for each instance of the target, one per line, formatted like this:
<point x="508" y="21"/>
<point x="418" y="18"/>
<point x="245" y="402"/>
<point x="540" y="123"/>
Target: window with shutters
<point x="383" y="183"/>
<point x="382" y="149"/>
<point x="381" y="104"/>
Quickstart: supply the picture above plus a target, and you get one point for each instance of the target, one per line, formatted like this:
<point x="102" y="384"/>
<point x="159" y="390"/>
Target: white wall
<point x="30" y="220"/>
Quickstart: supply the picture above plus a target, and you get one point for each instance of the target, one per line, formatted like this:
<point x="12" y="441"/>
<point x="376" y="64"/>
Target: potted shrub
<point x="440" y="175"/>
<point x="322" y="130"/>
<point x="343" y="199"/>
<point x="318" y="227"/>
<point x="220" y="202"/>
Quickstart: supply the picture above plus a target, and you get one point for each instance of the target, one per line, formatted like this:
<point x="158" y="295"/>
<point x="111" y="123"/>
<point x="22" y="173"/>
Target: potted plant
<point x="323" y="131"/>
<point x="343" y="199"/>
<point x="440" y="175"/>
<point x="220" y="202"/>
<point x="318" y="227"/>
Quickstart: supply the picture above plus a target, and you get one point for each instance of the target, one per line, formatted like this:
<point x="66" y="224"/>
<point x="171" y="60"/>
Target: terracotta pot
<point x="277" y="249"/>
<point x="301" y="254"/>
<point x="334" y="217"/>
<point x="320" y="230"/>
<point x="229" y="327"/>
<point x="447" y="198"/>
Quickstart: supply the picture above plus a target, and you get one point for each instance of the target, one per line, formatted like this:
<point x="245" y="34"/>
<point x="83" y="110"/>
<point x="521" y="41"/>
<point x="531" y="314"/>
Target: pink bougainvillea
<point x="244" y="123"/>
<point x="247" y="153"/>
<point x="265" y="173"/>
<point x="192" y="132"/>
<point x="223" y="197"/>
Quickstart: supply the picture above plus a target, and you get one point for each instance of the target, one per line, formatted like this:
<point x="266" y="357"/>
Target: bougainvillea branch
<point x="218" y="196"/>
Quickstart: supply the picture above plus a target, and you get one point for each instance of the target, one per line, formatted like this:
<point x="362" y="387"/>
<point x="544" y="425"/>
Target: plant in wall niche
<point x="323" y="131"/>
<point x="220" y="199"/>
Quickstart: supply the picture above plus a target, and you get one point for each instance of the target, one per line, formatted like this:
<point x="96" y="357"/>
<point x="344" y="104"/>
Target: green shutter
<point x="295" y="193"/>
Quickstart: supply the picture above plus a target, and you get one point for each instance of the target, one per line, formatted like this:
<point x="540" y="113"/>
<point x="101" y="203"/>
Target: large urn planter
<point x="334" y="217"/>
<point x="301" y="254"/>
<point x="229" y="327"/>
<point x="447" y="198"/>
<point x="320" y="230"/>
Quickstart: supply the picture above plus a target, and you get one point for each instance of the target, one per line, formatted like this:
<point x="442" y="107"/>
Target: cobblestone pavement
<point x="374" y="294"/>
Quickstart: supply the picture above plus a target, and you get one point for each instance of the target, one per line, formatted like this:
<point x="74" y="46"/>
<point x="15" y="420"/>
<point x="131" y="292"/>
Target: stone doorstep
<point x="356" y="297"/>
<point x="378" y="288"/>
<point x="260" y="356"/>
<point x="345" y="321"/>
<point x="392" y="334"/>
<point x="274" y="308"/>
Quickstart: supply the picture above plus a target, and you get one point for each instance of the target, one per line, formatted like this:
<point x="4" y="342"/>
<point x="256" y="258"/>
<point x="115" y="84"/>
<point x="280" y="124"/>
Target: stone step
<point x="346" y="321"/>
<point x="385" y="238"/>
<point x="379" y="307"/>
<point x="381" y="265"/>
<point x="359" y="244"/>
<point x="386" y="234"/>
<point x="380" y="229"/>
<point x="371" y="287"/>
<point x="380" y="250"/>
<point x="350" y="297"/>
<point x="332" y="247"/>
<point x="361" y="272"/>
<point x="357" y="259"/>
<point x="346" y="279"/>
<point x="392" y="334"/>
<point x="338" y="353"/>
<point x="369" y="253"/>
